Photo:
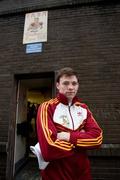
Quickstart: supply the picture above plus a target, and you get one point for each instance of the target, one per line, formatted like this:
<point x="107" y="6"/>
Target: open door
<point x="21" y="124"/>
<point x="31" y="93"/>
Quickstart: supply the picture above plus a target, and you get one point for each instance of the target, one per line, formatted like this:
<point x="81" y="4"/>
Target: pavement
<point x="29" y="171"/>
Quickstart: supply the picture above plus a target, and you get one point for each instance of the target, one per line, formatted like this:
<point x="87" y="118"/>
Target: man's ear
<point x="57" y="85"/>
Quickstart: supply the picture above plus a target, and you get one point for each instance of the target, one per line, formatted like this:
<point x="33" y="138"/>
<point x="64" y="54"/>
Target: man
<point x="66" y="129"/>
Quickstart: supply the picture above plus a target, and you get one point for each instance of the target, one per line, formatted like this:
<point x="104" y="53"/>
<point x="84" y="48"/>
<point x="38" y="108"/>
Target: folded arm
<point x="51" y="146"/>
<point x="89" y="137"/>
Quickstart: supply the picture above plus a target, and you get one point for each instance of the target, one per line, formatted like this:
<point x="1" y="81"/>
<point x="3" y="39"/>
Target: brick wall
<point x="36" y="5"/>
<point x="107" y="168"/>
<point x="85" y="38"/>
<point x="2" y="161"/>
<point x="2" y="166"/>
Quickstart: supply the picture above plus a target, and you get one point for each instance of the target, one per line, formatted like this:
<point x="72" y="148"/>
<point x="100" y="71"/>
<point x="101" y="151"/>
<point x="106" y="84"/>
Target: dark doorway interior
<point x="31" y="93"/>
<point x="35" y="96"/>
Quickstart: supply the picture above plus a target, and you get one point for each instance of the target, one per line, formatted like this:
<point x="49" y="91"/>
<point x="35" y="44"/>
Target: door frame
<point x="10" y="168"/>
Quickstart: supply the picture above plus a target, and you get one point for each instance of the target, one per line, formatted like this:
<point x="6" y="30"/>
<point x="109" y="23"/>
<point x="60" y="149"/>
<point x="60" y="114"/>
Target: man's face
<point x="68" y="85"/>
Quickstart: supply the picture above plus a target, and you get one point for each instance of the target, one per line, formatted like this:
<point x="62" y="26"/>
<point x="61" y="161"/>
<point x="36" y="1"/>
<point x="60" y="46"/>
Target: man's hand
<point x="63" y="136"/>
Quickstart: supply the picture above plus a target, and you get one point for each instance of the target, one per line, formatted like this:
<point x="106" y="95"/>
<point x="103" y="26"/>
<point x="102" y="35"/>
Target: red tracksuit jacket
<point x="68" y="160"/>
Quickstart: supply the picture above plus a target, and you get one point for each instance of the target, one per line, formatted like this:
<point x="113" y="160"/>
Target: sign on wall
<point x="33" y="48"/>
<point x="35" y="27"/>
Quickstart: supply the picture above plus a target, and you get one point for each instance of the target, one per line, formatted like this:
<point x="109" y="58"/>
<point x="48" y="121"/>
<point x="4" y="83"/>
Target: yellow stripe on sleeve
<point x="47" y="132"/>
<point x="90" y="142"/>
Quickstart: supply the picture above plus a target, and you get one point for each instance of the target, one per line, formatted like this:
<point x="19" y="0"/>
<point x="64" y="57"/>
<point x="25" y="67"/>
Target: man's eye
<point x="74" y="83"/>
<point x="66" y="83"/>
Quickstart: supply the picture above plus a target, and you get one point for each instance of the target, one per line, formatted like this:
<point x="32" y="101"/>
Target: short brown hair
<point x="67" y="71"/>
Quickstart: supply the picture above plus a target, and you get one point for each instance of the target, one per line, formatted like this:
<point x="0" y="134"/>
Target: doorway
<point x="31" y="93"/>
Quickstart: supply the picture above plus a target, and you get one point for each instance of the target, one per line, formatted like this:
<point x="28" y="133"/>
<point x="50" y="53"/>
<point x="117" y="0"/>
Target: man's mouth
<point x="70" y="92"/>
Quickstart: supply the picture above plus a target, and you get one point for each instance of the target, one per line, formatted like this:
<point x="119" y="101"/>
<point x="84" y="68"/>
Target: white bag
<point x="37" y="151"/>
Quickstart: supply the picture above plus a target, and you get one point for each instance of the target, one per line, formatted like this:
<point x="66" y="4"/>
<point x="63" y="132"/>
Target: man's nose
<point x="70" y="86"/>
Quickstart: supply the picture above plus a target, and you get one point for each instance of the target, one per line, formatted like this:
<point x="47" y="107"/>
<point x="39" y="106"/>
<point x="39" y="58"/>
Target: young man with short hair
<point x="66" y="129"/>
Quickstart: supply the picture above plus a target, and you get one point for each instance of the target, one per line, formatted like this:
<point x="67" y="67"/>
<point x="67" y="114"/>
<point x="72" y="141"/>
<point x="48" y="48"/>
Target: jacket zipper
<point x="71" y="117"/>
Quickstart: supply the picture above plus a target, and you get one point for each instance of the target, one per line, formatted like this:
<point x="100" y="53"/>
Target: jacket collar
<point x="62" y="98"/>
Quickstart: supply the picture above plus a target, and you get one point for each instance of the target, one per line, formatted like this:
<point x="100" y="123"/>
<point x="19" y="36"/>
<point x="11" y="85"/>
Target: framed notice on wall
<point x="35" y="27"/>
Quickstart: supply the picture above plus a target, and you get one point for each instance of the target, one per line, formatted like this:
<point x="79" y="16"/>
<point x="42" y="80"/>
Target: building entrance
<point x="31" y="93"/>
